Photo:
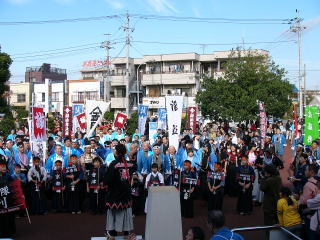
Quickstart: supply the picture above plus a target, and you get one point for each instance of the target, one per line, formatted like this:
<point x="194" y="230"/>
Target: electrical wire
<point x="67" y="20"/>
<point x="209" y="44"/>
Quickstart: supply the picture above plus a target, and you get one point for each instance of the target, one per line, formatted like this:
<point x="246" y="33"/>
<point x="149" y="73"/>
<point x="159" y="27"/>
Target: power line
<point x="86" y="19"/>
<point x="54" y="53"/>
<point x="154" y="17"/>
<point x="213" y="20"/>
<point x="211" y="44"/>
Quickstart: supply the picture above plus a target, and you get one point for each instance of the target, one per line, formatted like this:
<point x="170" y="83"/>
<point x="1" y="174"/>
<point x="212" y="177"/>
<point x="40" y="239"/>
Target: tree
<point x="132" y="124"/>
<point x="5" y="62"/>
<point x="247" y="78"/>
<point x="109" y="116"/>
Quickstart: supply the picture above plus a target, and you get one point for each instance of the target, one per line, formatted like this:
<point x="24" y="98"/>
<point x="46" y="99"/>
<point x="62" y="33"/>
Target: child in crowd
<point x="74" y="174"/>
<point x="37" y="176"/>
<point x="95" y="187"/>
<point x="58" y="186"/>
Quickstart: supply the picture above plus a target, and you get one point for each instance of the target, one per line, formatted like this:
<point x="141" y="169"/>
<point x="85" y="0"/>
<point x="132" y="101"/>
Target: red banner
<point x="67" y="121"/>
<point x="39" y="124"/>
<point x="192" y="119"/>
<point x="120" y="120"/>
<point x="82" y="121"/>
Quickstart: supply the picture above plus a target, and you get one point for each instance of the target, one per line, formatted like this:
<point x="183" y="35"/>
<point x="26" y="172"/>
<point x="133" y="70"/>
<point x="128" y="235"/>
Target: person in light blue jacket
<point x="144" y="158"/>
<point x="58" y="155"/>
<point x="279" y="142"/>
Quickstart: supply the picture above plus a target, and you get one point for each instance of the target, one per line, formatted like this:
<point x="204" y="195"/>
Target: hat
<point x="156" y="147"/>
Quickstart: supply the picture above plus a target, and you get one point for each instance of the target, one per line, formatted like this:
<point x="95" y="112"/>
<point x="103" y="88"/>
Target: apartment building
<point x="152" y="77"/>
<point x="20" y="95"/>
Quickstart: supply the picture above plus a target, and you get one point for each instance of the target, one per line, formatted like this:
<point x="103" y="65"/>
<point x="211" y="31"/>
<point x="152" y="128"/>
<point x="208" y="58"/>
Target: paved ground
<point x="56" y="226"/>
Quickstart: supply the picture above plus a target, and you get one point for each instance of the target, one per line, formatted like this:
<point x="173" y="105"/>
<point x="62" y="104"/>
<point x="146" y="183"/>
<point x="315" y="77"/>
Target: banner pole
<point x="28" y="216"/>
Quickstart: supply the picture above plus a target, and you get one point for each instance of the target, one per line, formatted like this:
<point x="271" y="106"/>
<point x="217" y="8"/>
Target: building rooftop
<point x="46" y="68"/>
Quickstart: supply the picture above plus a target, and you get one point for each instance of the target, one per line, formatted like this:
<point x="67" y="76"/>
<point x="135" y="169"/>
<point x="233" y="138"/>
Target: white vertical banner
<point x="174" y="114"/>
<point x="94" y="114"/>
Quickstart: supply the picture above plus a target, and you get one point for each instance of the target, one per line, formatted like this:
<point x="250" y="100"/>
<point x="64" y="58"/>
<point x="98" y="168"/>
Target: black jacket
<point x="117" y="178"/>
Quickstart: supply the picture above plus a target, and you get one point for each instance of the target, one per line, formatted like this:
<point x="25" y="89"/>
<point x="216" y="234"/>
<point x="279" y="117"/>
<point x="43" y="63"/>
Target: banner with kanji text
<point x="174" y="113"/>
<point x="162" y="119"/>
<point x="311" y="128"/>
<point x="120" y="120"/>
<point x="38" y="130"/>
<point x="67" y="121"/>
<point x="94" y="114"/>
<point x="143" y="113"/>
<point x="192" y="119"/>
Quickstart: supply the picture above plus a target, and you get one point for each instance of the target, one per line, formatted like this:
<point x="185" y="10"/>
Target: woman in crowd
<point x="288" y="212"/>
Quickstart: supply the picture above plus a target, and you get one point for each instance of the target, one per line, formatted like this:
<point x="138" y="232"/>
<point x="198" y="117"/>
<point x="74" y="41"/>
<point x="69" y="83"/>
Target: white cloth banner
<point x="174" y="113"/>
<point x="94" y="114"/>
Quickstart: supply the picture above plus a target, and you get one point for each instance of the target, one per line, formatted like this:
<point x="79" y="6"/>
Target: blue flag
<point x="143" y="113"/>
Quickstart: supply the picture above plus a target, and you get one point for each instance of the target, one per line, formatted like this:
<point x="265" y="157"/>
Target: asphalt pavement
<point x="62" y="226"/>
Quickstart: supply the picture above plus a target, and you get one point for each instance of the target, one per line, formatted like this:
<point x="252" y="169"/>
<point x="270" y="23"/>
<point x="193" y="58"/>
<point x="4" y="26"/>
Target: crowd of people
<point x="112" y="171"/>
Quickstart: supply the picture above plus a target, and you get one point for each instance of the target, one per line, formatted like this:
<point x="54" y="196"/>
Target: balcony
<point x="118" y="103"/>
<point x="119" y="80"/>
<point x="169" y="78"/>
<point x="81" y="97"/>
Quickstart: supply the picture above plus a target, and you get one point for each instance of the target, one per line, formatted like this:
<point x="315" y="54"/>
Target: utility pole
<point x="304" y="85"/>
<point x="297" y="28"/>
<point x="106" y="79"/>
<point x="128" y="30"/>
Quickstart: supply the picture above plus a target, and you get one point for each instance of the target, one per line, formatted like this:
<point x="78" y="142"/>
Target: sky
<point x="76" y="42"/>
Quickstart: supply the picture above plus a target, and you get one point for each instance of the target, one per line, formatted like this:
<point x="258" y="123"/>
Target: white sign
<point x="154" y="102"/>
<point x="174" y="113"/>
<point x="94" y="114"/>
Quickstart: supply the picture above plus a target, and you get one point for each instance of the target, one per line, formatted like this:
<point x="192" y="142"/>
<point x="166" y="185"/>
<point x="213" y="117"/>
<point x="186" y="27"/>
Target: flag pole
<point x="28" y="216"/>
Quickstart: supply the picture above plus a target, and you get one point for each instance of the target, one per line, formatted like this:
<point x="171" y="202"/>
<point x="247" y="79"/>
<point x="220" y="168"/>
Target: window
<point x="43" y="97"/>
<point x="55" y="97"/>
<point x="21" y="98"/>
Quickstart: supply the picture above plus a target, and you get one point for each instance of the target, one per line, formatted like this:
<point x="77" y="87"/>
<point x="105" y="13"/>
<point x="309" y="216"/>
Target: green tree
<point x="7" y="123"/>
<point x="132" y="123"/>
<point x="21" y="112"/>
<point x="247" y="79"/>
<point x="109" y="116"/>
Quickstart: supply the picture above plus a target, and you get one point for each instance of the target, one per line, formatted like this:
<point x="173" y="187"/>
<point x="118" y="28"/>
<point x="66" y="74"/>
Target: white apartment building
<point x="51" y="95"/>
<point x="155" y="76"/>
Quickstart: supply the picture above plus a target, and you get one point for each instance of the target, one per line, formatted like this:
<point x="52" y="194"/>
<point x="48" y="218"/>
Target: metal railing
<point x="269" y="228"/>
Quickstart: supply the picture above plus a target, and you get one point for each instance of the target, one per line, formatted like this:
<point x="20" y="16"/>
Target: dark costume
<point x="96" y="190"/>
<point x="37" y="190"/>
<point x="73" y="191"/>
<point x="188" y="181"/>
<point x="58" y="184"/>
<point x="245" y="175"/>
<point x="231" y="187"/>
<point x="119" y="200"/>
<point x="7" y="220"/>
<point x="215" y="199"/>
